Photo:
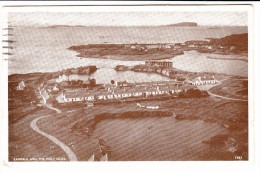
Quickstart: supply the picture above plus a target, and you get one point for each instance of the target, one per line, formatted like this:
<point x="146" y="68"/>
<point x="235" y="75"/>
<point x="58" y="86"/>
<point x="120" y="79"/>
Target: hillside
<point x="237" y="42"/>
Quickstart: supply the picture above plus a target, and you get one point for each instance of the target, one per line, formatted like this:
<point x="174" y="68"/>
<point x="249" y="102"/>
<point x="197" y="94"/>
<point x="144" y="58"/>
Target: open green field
<point x="232" y="87"/>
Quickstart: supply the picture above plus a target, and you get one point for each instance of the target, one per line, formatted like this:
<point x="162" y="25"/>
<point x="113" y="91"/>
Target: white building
<point x="62" y="78"/>
<point x="21" y="86"/>
<point x="203" y="81"/>
<point x="78" y="96"/>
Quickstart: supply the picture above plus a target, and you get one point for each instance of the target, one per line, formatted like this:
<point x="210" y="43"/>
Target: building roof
<point x="104" y="94"/>
<point x="163" y="60"/>
<point x="76" y="93"/>
<point x="197" y="79"/>
<point x="137" y="90"/>
<point x="122" y="91"/>
<point x="79" y="94"/>
<point x="71" y="95"/>
<point x="164" y="88"/>
<point x="170" y="82"/>
<point x="168" y="85"/>
<point x="151" y="90"/>
<point x="143" y="83"/>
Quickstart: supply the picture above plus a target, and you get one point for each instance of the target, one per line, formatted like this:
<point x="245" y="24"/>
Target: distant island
<point x="181" y="24"/>
<point x="131" y="52"/>
<point x="184" y="24"/>
<point x="58" y="26"/>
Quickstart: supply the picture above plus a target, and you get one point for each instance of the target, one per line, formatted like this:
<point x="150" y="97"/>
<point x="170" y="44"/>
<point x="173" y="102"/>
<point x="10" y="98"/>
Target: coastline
<point x="235" y="59"/>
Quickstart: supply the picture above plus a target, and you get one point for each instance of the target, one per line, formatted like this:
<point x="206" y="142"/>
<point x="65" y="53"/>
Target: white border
<point x="187" y="166"/>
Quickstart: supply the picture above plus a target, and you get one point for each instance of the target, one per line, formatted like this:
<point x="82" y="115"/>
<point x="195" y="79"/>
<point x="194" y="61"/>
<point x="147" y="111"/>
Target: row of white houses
<point x="203" y="81"/>
<point x="102" y="94"/>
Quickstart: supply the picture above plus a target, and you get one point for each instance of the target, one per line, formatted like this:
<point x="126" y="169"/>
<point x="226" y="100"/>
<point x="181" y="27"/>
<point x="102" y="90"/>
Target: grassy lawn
<point x="74" y="124"/>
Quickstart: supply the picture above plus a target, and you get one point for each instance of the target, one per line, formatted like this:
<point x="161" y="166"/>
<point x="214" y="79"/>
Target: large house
<point x="203" y="80"/>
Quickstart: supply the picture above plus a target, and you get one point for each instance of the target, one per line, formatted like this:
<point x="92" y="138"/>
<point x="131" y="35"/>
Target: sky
<point x="214" y="18"/>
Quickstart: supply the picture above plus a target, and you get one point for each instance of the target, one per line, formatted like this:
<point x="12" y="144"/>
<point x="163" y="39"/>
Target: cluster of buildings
<point x="198" y="43"/>
<point x="122" y="90"/>
<point x="193" y="44"/>
<point x="146" y="47"/>
<point x="174" y="46"/>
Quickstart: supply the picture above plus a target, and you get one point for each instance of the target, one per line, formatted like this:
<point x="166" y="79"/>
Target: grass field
<point x="215" y="117"/>
<point x="232" y="87"/>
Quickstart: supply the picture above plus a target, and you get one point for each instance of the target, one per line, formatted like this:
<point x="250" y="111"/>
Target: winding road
<point x="71" y="155"/>
<point x="228" y="98"/>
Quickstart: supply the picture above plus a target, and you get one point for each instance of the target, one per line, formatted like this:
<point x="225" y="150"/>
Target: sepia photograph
<point x="133" y="85"/>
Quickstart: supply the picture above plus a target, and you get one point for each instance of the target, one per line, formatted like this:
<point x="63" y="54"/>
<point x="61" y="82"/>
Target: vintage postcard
<point x="128" y="83"/>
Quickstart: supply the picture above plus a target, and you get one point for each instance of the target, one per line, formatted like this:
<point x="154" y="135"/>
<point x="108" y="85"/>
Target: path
<point x="43" y="98"/>
<point x="71" y="155"/>
<point x="228" y="98"/>
<point x="48" y="105"/>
